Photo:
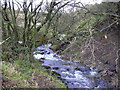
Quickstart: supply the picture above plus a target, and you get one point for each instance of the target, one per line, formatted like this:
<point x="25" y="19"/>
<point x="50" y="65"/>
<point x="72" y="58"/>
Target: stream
<point x="73" y="74"/>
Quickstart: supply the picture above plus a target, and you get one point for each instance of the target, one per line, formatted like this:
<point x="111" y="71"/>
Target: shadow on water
<point x="71" y="73"/>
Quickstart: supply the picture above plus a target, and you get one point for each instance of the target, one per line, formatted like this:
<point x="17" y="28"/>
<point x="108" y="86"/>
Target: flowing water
<point x="73" y="74"/>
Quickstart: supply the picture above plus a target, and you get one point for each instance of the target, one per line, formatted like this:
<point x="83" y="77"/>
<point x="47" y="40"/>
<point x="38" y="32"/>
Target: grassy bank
<point x="23" y="74"/>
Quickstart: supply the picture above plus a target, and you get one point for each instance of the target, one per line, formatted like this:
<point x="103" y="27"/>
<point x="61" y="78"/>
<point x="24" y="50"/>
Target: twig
<point x="4" y="41"/>
<point x="109" y="25"/>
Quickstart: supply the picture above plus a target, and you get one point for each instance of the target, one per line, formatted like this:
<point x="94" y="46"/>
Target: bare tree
<point x="32" y="14"/>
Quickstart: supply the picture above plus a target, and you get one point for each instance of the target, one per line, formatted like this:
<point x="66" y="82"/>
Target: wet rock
<point x="42" y="58"/>
<point x="113" y="70"/>
<point x="68" y="69"/>
<point x="101" y="83"/>
<point x="56" y="68"/>
<point x="41" y="61"/>
<point x="55" y="73"/>
<point x="48" y="52"/>
<point x="41" y="50"/>
<point x="55" y="55"/>
<point x="83" y="68"/>
<point x="59" y="77"/>
<point x="42" y="53"/>
<point x="47" y="67"/>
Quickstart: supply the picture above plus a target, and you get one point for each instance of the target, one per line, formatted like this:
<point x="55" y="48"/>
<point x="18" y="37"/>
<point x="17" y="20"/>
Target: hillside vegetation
<point x="88" y="34"/>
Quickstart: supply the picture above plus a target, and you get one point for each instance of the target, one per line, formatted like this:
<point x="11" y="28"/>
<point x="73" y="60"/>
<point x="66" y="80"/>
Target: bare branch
<point x="109" y="26"/>
<point x="49" y="17"/>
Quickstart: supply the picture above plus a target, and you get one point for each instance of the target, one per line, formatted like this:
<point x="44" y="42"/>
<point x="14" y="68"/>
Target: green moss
<point x="54" y="47"/>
